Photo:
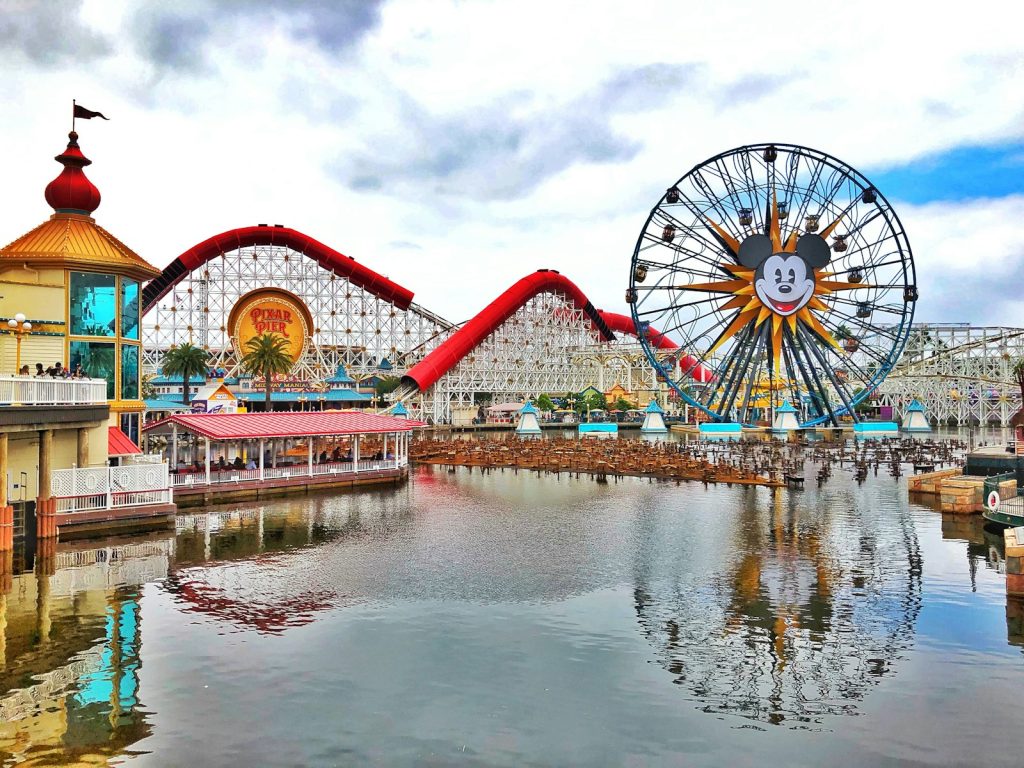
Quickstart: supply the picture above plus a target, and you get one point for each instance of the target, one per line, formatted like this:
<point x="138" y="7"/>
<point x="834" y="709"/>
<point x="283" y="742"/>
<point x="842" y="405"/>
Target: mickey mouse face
<point x="783" y="281"/>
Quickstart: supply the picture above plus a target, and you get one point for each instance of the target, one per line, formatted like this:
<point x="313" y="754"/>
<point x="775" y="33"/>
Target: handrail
<point x="43" y="390"/>
<point x="992" y="484"/>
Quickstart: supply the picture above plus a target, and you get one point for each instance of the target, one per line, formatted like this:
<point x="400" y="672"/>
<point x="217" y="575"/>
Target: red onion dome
<point x="71" y="191"/>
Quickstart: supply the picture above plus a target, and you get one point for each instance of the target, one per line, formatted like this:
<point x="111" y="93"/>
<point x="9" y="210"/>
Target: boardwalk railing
<point x="191" y="478"/>
<point x="26" y="390"/>
<point x="94" y="488"/>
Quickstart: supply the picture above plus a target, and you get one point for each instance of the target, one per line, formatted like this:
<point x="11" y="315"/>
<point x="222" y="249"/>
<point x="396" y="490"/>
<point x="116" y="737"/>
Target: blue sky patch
<point x="962" y="173"/>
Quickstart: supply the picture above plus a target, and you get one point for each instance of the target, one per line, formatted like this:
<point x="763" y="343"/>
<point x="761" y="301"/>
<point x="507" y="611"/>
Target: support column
<point x="206" y="461"/>
<point x="355" y="453"/>
<point x="3" y="469"/>
<point x="174" y="446"/>
<point x="6" y="517"/>
<point x="384" y="450"/>
<point x="309" y="456"/>
<point x="261" y="458"/>
<point x="45" y="461"/>
<point x="83" y="448"/>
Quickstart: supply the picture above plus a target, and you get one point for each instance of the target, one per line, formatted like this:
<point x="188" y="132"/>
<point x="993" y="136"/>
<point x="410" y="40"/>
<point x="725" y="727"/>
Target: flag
<point x="87" y="114"/>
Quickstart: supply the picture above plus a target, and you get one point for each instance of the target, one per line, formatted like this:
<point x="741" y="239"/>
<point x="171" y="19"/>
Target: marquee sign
<point x="274" y="311"/>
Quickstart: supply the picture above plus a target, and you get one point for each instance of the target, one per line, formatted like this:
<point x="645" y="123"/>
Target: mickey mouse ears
<point x="810" y="247"/>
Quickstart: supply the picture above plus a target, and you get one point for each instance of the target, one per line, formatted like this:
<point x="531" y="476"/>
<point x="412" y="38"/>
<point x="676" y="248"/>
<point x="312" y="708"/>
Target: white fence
<point x="235" y="476"/>
<point x="94" y="488"/>
<point x="25" y="390"/>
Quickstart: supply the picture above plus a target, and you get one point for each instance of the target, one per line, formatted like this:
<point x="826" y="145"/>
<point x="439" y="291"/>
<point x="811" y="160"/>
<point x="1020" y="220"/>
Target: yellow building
<point x="69" y="299"/>
<point x="79" y="288"/>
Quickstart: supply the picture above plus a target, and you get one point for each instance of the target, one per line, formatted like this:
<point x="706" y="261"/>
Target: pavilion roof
<point x="246" y="426"/>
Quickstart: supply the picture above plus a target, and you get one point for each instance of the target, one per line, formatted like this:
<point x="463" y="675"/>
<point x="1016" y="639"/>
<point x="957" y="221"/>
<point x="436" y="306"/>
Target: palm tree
<point x="265" y="355"/>
<point x="186" y="361"/>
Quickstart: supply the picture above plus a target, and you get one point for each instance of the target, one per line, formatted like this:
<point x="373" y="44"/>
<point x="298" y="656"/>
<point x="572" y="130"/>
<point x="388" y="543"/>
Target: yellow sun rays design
<point x="753" y="310"/>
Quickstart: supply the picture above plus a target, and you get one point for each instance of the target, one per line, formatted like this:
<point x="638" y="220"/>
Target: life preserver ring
<point x="992" y="501"/>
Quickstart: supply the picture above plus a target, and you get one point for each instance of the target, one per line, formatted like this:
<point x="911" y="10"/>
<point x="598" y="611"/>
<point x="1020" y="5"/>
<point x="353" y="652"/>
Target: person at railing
<point x="336" y="453"/>
<point x="221" y="464"/>
<point x="237" y="463"/>
<point x="250" y="464"/>
<point x="24" y="371"/>
<point x="39" y="370"/>
<point x="79" y="373"/>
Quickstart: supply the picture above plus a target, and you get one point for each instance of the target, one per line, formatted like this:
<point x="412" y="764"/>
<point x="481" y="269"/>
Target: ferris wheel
<point x="786" y="277"/>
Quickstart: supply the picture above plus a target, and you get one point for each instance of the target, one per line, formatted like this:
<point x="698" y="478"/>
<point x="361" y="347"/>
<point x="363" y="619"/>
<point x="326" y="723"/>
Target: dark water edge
<point x="508" y="619"/>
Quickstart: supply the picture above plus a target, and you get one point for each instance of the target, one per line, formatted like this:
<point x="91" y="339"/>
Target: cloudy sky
<point x="456" y="147"/>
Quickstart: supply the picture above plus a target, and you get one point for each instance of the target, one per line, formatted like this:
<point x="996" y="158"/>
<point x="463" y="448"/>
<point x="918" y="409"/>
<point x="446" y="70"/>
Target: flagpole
<point x="72" y="115"/>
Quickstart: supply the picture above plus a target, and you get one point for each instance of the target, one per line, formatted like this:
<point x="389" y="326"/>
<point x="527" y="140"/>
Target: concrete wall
<point x="928" y="482"/>
<point x="1013" y="538"/>
<point x="23" y="456"/>
<point x="958" y="493"/>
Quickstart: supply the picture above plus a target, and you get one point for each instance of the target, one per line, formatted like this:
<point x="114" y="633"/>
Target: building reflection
<point x="986" y="549"/>
<point x="796" y="624"/>
<point x="250" y="569"/>
<point x="70" y="649"/>
<point x="71" y="621"/>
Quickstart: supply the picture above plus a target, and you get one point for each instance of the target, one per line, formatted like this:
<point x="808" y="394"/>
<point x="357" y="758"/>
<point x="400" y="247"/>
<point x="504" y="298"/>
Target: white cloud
<point x="263" y="130"/>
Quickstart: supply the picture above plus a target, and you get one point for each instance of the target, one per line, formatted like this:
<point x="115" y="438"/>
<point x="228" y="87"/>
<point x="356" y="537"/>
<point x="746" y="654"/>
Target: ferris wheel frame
<point x="725" y="238"/>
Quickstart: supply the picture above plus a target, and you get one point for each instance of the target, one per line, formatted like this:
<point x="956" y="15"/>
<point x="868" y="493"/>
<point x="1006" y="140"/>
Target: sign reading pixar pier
<point x="271" y="310"/>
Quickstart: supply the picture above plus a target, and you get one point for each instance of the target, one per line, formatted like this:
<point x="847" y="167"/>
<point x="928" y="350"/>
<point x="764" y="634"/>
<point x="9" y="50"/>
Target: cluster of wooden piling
<point x="761" y="462"/>
<point x="601" y="458"/>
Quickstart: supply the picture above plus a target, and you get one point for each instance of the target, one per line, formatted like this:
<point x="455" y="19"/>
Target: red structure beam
<point x="245" y="237"/>
<point x="463" y="341"/>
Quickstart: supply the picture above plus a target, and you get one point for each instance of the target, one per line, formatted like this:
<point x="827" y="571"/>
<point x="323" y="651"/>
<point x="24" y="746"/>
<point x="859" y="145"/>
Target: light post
<point x="321" y="398"/>
<point x="19" y="326"/>
<point x="302" y="401"/>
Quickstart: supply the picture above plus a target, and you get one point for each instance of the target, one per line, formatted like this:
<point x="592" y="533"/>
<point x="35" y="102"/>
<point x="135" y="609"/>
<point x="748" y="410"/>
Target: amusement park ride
<point x="770" y="273"/>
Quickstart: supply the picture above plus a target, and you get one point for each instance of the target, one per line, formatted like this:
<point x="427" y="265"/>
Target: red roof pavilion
<point x="253" y="426"/>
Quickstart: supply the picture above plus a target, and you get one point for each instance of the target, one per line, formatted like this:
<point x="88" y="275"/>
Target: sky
<point x="456" y="147"/>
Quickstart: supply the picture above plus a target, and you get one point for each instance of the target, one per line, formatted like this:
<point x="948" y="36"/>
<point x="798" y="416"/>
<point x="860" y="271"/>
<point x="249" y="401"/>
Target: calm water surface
<point x="514" y="620"/>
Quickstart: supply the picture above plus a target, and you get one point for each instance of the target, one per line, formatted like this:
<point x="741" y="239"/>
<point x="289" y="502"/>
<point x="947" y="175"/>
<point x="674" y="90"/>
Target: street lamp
<point x="19" y="326"/>
<point x="302" y="401"/>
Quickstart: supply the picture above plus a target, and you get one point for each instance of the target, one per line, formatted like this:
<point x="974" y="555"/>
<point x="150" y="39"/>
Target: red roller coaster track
<point x="245" y="237"/>
<point x="459" y="344"/>
<point x="452" y="350"/>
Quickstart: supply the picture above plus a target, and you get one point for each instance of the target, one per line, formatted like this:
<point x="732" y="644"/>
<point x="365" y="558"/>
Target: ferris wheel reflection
<point x="813" y="611"/>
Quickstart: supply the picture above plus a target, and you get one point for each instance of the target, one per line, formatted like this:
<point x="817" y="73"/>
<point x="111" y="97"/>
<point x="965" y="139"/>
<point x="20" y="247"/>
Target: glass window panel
<point x="130" y="426"/>
<point x="129" y="308"/>
<point x="97" y="359"/>
<point x="93" y="304"/>
<point x="129" y="372"/>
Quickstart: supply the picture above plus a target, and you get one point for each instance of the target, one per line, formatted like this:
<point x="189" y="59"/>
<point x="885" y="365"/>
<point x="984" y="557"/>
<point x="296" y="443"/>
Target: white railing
<point x="94" y="488"/>
<point x="332" y="468"/>
<point x="26" y="390"/>
<point x="229" y="476"/>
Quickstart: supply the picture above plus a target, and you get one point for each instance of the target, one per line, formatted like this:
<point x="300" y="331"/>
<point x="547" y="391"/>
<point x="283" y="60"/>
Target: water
<point x="514" y="620"/>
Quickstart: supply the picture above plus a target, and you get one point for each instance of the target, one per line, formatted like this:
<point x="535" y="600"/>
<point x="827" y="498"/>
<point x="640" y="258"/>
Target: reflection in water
<point x="517" y="614"/>
<point x="814" y="608"/>
<point x="239" y="566"/>
<point x="73" y="636"/>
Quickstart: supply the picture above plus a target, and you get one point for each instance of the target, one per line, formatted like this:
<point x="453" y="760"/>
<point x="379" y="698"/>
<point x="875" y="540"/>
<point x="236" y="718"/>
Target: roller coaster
<point x="541" y="335"/>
